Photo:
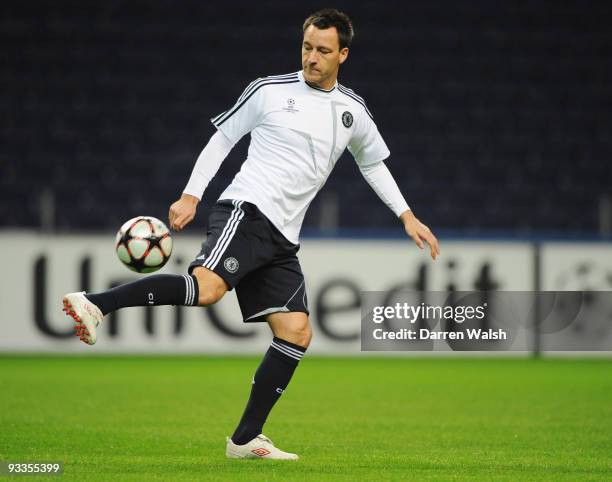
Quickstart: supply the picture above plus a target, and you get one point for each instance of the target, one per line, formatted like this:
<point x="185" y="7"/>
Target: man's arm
<point x="381" y="180"/>
<point x="183" y="211"/>
<point x="231" y="126"/>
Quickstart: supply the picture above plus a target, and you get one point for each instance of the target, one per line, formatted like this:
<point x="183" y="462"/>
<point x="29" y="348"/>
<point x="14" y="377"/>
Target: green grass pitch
<point x="166" y="418"/>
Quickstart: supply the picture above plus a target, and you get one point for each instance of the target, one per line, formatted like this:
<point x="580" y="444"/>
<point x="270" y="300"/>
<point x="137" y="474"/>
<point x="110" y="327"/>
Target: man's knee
<point x="291" y="327"/>
<point x="211" y="287"/>
<point x="303" y="335"/>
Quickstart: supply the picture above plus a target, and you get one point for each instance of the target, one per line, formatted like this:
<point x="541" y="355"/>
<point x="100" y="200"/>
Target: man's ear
<point x="343" y="54"/>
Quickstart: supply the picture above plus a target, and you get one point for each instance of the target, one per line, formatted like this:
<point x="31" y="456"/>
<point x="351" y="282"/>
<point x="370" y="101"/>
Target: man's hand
<point x="419" y="232"/>
<point x="182" y="211"/>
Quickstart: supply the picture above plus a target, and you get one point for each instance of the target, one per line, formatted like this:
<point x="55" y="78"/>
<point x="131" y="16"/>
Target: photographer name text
<point x="427" y="334"/>
<point x="411" y="313"/>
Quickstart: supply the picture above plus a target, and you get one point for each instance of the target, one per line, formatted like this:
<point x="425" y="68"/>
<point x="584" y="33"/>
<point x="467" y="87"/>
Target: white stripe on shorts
<point x="226" y="236"/>
<point x="224" y="233"/>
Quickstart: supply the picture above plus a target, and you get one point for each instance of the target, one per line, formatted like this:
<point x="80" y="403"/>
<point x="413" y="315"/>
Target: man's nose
<point x="313" y="57"/>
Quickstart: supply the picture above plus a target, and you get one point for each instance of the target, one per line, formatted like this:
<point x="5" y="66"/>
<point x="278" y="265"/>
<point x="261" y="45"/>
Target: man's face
<point x="321" y="56"/>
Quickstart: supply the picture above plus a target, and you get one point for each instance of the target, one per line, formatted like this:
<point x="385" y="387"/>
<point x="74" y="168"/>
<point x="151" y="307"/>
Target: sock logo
<point x="279" y="391"/>
<point x="151" y="298"/>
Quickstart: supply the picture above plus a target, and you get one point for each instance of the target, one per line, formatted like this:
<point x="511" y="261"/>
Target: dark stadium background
<point x="497" y="114"/>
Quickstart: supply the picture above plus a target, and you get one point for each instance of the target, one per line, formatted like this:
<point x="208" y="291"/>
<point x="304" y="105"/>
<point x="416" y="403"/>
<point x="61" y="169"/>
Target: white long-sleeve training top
<point x="298" y="132"/>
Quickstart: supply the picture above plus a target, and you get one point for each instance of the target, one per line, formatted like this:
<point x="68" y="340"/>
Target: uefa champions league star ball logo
<point x="290" y="106"/>
<point x="347" y="119"/>
<point x="231" y="264"/>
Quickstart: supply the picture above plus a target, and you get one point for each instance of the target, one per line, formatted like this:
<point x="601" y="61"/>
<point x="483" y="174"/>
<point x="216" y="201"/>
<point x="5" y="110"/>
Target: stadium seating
<point x="497" y="115"/>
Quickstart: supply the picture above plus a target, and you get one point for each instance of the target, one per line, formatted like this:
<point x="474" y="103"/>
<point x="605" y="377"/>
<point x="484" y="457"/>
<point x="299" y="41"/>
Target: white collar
<point x="301" y="77"/>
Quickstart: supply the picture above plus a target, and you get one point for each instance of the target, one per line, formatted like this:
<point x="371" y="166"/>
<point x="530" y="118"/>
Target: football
<point x="144" y="244"/>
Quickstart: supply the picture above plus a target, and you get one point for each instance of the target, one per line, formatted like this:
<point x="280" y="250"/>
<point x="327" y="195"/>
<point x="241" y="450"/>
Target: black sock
<point x="158" y="289"/>
<point x="271" y="379"/>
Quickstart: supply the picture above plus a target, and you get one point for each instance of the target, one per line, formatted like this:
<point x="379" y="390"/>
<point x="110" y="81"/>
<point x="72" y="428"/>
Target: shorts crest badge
<point x="231" y="264"/>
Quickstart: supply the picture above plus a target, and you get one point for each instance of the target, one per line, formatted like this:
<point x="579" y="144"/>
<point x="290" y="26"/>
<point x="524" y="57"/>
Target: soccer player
<point x="300" y="123"/>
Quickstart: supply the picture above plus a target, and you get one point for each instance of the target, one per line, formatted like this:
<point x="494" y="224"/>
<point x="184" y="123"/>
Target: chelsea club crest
<point x="347" y="119"/>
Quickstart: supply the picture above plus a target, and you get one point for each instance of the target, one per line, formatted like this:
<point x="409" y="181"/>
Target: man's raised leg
<point x="203" y="287"/>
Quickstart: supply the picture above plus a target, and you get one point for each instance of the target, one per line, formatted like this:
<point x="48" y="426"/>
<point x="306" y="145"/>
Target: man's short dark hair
<point x="330" y="17"/>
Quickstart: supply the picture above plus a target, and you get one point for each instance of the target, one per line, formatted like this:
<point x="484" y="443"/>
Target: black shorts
<point x="249" y="253"/>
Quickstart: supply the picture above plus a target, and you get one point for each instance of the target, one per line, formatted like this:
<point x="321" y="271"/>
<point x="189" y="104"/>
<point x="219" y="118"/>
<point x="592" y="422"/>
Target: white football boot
<point x="261" y="447"/>
<point x="86" y="315"/>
